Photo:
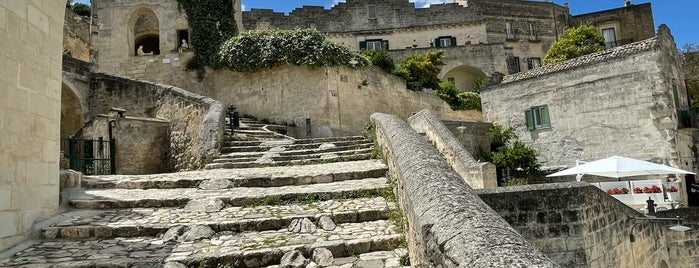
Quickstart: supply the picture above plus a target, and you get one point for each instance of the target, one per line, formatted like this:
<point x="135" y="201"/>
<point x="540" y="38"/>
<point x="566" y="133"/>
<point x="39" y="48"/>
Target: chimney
<point x="627" y="3"/>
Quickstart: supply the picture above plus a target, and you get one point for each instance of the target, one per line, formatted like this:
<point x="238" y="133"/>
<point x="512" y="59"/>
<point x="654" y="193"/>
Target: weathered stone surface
<point x="326" y="223"/>
<point x="196" y="232"/>
<point x="368" y="264"/>
<point x="215" y="184"/>
<point x="174" y="264"/>
<point x="323" y="257"/>
<point x="293" y="259"/>
<point x="302" y="226"/>
<point x="205" y="205"/>
<point x="173" y="233"/>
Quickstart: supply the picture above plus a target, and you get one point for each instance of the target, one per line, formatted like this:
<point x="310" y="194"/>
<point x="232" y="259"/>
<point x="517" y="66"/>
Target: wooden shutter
<point x="530" y="118"/>
<point x="384" y="44"/>
<point x="544" y="114"/>
<point x="437" y="43"/>
<point x="453" y="41"/>
<point x="362" y="45"/>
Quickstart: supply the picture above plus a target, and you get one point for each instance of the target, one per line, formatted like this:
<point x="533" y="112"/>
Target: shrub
<point x="256" y="50"/>
<point x="458" y="100"/>
<point x="573" y="43"/>
<point x="381" y="59"/>
<point x="421" y="70"/>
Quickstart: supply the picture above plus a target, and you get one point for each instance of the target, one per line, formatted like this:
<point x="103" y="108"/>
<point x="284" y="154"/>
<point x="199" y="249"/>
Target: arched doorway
<point x="464" y="77"/>
<point x="144" y="31"/>
<point x="71" y="112"/>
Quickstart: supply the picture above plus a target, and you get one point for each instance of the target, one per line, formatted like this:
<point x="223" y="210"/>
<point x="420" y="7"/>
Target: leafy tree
<point x="381" y="59"/>
<point x="256" y="50"/>
<point x="458" y="100"/>
<point x="690" y="56"/>
<point x="514" y="159"/>
<point x="573" y="43"/>
<point x="421" y="70"/>
<point x="80" y="9"/>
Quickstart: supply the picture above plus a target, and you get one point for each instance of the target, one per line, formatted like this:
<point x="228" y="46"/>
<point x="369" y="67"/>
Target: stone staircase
<point x="305" y="205"/>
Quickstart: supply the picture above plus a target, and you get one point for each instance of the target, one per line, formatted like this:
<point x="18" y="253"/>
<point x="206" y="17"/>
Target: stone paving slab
<point x="263" y="180"/>
<point x="133" y="198"/>
<point x="377" y="259"/>
<point x="320" y="169"/>
<point x="82" y="224"/>
<point x="330" y="159"/>
<point x="302" y="149"/>
<point x="256" y="248"/>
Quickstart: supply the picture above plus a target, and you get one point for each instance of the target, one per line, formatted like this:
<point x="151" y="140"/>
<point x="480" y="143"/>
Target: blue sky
<point x="680" y="15"/>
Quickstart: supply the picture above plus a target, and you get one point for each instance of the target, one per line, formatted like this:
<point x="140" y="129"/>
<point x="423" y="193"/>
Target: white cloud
<point x="418" y="3"/>
<point x="242" y="6"/>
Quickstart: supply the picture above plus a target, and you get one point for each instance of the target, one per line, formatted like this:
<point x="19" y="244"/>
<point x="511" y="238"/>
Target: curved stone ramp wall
<point x="196" y="122"/>
<point x="448" y="224"/>
<point x="476" y="174"/>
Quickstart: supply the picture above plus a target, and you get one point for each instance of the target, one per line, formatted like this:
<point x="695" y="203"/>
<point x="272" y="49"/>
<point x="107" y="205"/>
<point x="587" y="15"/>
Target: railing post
<point x="112" y="156"/>
<point x="236" y="120"/>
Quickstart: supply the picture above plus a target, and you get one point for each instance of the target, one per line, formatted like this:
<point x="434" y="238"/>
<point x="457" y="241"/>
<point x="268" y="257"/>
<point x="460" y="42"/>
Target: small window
<point x="533" y="63"/>
<point x="510" y="31"/>
<point x="375" y="44"/>
<point x="445" y="41"/>
<point x="513" y="64"/>
<point x="533" y="35"/>
<point x="371" y="10"/>
<point x="537" y="117"/>
<point x="182" y="38"/>
<point x="609" y="35"/>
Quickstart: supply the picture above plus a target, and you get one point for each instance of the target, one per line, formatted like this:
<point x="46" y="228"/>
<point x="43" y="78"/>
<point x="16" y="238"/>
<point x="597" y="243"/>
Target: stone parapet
<point x="475" y="173"/>
<point x="196" y="122"/>
<point x="448" y="224"/>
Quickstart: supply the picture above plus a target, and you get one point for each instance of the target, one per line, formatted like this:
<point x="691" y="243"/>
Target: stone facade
<point x="30" y="82"/>
<point x="76" y="35"/>
<point x="196" y="122"/>
<point x="484" y="36"/>
<point x="631" y="23"/>
<point x="624" y="101"/>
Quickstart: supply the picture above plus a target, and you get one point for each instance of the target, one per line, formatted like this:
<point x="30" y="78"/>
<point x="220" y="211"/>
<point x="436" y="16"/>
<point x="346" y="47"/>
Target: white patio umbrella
<point x="618" y="167"/>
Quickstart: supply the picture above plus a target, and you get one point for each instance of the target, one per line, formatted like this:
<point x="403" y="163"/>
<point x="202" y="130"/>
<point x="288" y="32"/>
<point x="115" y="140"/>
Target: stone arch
<point x="144" y="30"/>
<point x="464" y="76"/>
<point x="71" y="111"/>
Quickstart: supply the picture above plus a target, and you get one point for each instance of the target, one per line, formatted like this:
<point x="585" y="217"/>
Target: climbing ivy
<point x="212" y="22"/>
<point x="256" y="50"/>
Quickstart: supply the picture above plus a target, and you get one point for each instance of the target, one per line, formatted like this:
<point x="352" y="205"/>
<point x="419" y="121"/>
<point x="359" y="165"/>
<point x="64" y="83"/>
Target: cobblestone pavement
<point x="322" y="215"/>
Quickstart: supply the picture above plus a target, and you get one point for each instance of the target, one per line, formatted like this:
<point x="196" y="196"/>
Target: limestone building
<point x="629" y="100"/>
<point x="479" y="36"/>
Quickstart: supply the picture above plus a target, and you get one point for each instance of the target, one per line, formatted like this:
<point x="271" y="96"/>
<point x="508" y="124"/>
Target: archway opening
<point x="145" y="31"/>
<point x="150" y="43"/>
<point x="71" y="112"/>
<point x="464" y="77"/>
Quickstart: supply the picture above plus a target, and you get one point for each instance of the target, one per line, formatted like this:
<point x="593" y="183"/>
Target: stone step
<point x="307" y="161"/>
<point x="302" y="149"/>
<point x="82" y="224"/>
<point x="248" y="249"/>
<point x="298" y="141"/>
<point x="254" y="177"/>
<point x="243" y="196"/>
<point x="293" y="146"/>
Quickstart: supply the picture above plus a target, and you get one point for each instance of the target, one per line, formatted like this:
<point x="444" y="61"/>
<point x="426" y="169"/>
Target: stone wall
<point x="142" y="143"/>
<point x="472" y="135"/>
<point x="475" y="173"/>
<point x="622" y="101"/>
<point x="196" y="122"/>
<point x="578" y="225"/>
<point x="448" y="224"/>
<point x="30" y="83"/>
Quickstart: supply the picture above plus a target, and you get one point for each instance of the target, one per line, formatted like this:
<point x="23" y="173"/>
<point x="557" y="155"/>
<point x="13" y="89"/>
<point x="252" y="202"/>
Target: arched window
<point x="145" y="31"/>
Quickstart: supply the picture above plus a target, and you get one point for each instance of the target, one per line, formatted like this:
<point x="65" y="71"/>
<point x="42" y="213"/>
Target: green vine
<point x="212" y="22"/>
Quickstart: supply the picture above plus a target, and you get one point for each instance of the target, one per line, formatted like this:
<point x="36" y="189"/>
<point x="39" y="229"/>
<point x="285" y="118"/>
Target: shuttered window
<point x="445" y="41"/>
<point x="537" y="117"/>
<point x="374" y="44"/>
